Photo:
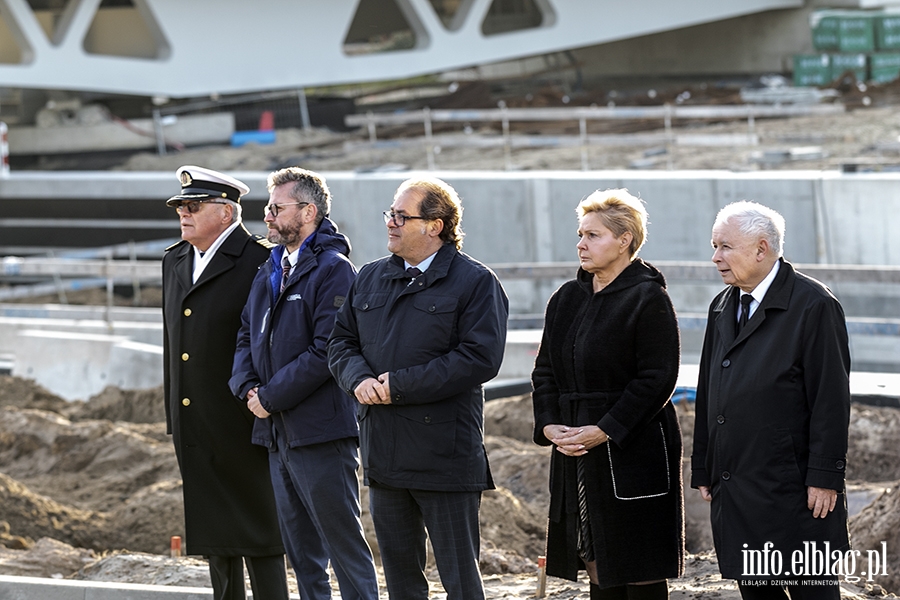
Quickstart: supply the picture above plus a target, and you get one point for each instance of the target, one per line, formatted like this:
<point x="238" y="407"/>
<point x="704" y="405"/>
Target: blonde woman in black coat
<point x="603" y="379"/>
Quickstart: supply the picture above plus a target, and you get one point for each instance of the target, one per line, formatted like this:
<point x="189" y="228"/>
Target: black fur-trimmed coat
<point x="611" y="359"/>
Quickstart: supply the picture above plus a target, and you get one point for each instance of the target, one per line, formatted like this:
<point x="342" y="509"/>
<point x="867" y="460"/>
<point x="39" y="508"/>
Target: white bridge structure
<point x="179" y="49"/>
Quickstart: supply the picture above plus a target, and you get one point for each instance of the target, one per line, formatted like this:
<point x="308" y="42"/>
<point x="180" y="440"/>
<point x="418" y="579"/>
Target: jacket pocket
<point x="784" y="460"/>
<point x="437" y="316"/>
<point x="367" y="308"/>
<point x="642" y="469"/>
<point x="425" y="438"/>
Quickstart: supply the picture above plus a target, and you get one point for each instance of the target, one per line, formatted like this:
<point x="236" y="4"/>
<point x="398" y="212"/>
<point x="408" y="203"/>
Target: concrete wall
<point x="75" y="352"/>
<point x="832" y="217"/>
<point x="530" y="217"/>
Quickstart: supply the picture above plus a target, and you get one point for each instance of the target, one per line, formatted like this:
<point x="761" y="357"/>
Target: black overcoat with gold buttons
<point x="773" y="412"/>
<point x="229" y="505"/>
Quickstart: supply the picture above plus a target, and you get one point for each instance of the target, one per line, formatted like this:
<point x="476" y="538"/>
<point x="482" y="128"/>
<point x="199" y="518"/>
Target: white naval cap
<point x="199" y="183"/>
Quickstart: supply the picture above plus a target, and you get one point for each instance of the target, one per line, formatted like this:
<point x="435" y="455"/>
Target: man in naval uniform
<point x="229" y="505"/>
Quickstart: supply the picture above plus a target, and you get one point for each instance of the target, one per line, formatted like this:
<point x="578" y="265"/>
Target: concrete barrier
<point x="514" y="217"/>
<point x="40" y="588"/>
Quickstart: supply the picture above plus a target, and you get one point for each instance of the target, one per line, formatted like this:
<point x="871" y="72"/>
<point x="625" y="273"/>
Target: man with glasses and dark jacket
<point x="303" y="418"/>
<point x="419" y="334"/>
<point x="229" y="508"/>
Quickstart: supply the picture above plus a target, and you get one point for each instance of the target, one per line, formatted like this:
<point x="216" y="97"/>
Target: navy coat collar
<point x="439" y="268"/>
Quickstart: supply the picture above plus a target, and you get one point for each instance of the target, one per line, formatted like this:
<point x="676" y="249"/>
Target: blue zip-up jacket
<point x="281" y="346"/>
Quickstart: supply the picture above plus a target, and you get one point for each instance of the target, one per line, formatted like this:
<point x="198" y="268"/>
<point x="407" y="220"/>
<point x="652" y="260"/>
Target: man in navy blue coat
<point x="420" y="333"/>
<point x="303" y="417"/>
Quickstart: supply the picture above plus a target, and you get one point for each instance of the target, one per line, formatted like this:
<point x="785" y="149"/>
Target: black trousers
<point x="268" y="579"/>
<point x="819" y="590"/>
<point x="401" y="517"/>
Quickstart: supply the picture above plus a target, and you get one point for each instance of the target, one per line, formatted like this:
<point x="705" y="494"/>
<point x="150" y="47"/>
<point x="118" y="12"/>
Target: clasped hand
<point x="575" y="441"/>
<point x="254" y="405"/>
<point x="374" y="391"/>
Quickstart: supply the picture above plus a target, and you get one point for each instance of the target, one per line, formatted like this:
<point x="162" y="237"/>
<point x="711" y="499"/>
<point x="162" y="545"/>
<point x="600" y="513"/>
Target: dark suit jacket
<point x="228" y="501"/>
<point x="773" y="411"/>
<point x="440" y="338"/>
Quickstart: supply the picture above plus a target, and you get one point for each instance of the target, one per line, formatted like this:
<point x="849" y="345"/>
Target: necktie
<point x="285" y="271"/>
<point x="413" y="272"/>
<point x="746" y="299"/>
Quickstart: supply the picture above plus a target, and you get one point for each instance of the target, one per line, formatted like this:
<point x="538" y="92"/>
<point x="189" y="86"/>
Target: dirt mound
<point x="149" y="518"/>
<point x="523" y="468"/>
<point x="874" y="451"/>
<point x="510" y="526"/>
<point x="94" y="483"/>
<point x="510" y="417"/>
<point x="32" y="516"/>
<point x="102" y="475"/>
<point x="115" y="484"/>
<point x="877" y="524"/>
<point x="115" y="404"/>
<point x="146" y="569"/>
<point x="91" y="465"/>
<point x="25" y="393"/>
<point x="46" y="558"/>
<point x="112" y="404"/>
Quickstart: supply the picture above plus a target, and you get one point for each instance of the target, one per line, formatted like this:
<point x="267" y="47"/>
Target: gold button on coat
<point x="187" y="312"/>
<point x="186" y="401"/>
<point x="185" y="356"/>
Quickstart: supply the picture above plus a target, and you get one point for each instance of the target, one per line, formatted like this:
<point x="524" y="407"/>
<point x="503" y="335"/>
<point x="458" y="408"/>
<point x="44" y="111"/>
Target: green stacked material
<point x="825" y="30"/>
<point x="851" y="39"/>
<point x="812" y="69"/>
<point x="843" y="30"/>
<point x="884" y="66"/>
<point x="887" y="31"/>
<point x="856" y="33"/>
<point x="841" y="63"/>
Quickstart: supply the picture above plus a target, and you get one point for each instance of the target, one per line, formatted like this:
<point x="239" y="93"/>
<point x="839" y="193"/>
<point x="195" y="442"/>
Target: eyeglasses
<point x="398" y="219"/>
<point x="274" y="209"/>
<point x="194" y="205"/>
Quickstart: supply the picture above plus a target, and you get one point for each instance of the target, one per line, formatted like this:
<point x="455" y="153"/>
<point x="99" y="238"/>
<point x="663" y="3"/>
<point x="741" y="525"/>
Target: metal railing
<point x="582" y="114"/>
<point x="149" y="271"/>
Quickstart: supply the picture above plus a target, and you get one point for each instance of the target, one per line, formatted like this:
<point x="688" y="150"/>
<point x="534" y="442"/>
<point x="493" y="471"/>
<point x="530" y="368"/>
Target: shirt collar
<point x="759" y="292"/>
<point x="208" y="253"/>
<point x="201" y="260"/>
<point x="294" y="256"/>
<point x="422" y="266"/>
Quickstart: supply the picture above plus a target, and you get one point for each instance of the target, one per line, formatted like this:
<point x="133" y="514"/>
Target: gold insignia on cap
<point x="186" y="179"/>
